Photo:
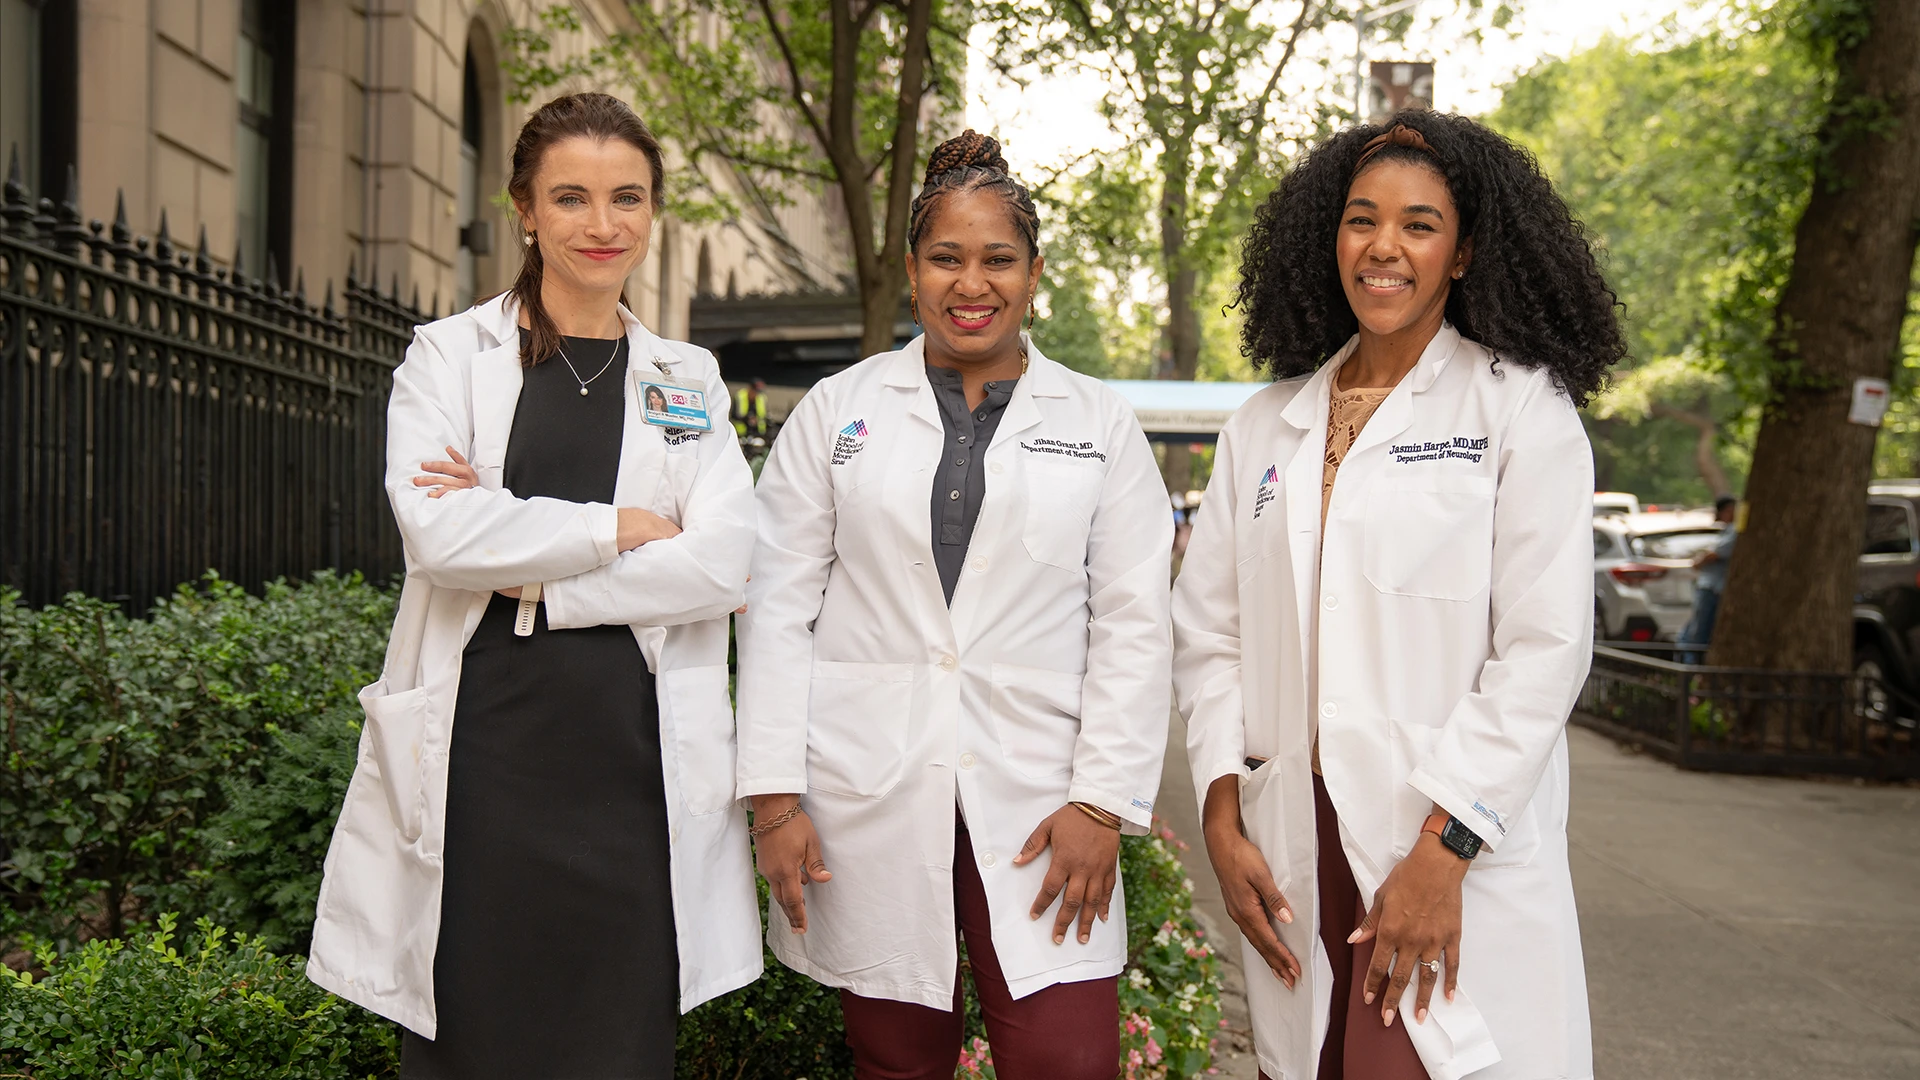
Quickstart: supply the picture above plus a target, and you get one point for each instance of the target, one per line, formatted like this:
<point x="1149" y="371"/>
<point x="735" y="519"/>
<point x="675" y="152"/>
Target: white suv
<point x="1643" y="572"/>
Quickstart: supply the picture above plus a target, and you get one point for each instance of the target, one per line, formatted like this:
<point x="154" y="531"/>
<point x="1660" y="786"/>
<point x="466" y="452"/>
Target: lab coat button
<point x="948" y="663"/>
<point x="980" y="564"/>
<point x="987" y="859"/>
<point x="1330" y="602"/>
<point x="1329" y="710"/>
<point x="966" y="761"/>
<point x="996" y="468"/>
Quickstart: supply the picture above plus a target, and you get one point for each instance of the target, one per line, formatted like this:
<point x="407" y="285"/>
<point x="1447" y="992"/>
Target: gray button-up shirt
<point x="960" y="481"/>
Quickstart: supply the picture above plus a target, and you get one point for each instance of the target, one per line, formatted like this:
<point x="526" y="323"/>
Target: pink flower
<point x="1153" y="1051"/>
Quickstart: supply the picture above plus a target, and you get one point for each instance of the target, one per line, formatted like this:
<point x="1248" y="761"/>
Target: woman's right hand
<point x="1246" y="882"/>
<point x="788" y="857"/>
<point x="639" y="527"/>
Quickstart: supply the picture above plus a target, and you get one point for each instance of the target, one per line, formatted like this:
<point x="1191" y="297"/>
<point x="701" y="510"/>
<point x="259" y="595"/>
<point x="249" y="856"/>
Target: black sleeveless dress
<point x="556" y="956"/>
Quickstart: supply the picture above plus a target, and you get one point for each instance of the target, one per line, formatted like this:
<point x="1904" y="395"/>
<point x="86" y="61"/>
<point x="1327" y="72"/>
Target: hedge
<point x="195" y="760"/>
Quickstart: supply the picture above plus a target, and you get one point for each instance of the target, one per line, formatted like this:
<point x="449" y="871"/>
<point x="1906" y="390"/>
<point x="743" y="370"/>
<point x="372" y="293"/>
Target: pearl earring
<point x="528" y="240"/>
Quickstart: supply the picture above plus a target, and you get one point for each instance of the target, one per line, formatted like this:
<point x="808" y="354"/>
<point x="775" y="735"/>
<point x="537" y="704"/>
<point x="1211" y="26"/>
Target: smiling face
<point x="974" y="276"/>
<point x="1399" y="249"/>
<point x="591" y="212"/>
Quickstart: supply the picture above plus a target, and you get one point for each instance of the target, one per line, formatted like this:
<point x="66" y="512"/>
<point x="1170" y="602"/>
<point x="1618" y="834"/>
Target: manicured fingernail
<point x="1389" y="1017"/>
<point x="1083" y="939"/>
<point x="1369" y="997"/>
<point x="1421" y="1016"/>
<point x="1286" y="915"/>
<point x="1059" y="938"/>
<point x="1353" y="937"/>
<point x="1449" y="995"/>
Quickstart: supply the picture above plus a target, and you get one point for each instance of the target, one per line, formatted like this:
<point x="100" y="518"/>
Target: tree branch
<point x="796" y="84"/>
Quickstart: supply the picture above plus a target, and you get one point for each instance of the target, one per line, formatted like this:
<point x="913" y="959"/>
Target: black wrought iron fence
<point x="161" y="416"/>
<point x="1740" y="720"/>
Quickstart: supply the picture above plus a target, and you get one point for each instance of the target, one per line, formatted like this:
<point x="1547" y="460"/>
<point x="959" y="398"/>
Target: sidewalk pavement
<point x="1734" y="927"/>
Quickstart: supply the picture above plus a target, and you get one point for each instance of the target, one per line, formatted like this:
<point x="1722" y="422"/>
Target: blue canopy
<point x="1170" y="407"/>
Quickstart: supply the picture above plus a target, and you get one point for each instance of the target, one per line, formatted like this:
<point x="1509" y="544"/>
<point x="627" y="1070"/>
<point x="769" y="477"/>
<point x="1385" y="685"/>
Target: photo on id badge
<point x="665" y="403"/>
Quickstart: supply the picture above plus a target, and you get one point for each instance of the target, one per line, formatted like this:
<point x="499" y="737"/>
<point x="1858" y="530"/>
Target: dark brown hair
<point x="589" y="115"/>
<point x="971" y="161"/>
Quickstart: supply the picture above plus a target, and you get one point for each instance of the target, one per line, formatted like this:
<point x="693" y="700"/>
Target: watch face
<point x="1460" y="839"/>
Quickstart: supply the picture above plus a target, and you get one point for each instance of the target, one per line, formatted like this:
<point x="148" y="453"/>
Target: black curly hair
<point x="1532" y="295"/>
<point x="971" y="161"/>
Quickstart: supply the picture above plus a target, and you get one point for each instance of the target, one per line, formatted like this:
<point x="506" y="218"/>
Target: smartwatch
<point x="1454" y="836"/>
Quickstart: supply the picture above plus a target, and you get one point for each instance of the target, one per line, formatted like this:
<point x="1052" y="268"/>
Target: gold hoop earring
<point x="1030" y="312"/>
<point x="913" y="303"/>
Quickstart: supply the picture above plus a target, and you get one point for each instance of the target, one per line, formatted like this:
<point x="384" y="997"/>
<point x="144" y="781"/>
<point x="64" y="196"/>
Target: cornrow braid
<point x="967" y="162"/>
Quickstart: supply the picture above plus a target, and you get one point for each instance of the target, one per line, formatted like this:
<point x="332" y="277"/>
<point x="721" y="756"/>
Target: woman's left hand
<point x="1085" y="866"/>
<point x="1415" y="918"/>
<point x="445" y="476"/>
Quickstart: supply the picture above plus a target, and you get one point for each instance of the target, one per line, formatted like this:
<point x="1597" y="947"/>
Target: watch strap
<point x="1453" y="835"/>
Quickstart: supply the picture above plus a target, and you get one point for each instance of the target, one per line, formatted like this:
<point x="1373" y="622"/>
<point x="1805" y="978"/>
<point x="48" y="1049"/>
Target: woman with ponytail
<point x="540" y="863"/>
<point x="954" y="665"/>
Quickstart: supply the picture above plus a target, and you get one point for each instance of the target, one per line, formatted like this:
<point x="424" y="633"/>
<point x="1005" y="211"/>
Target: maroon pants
<point x="1359" y="1046"/>
<point x="1069" y="1031"/>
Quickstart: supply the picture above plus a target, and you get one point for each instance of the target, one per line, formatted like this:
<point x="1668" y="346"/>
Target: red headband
<point x="1397" y="135"/>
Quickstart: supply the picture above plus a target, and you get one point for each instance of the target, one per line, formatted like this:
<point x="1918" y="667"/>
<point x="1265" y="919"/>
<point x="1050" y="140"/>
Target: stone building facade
<point x="320" y="134"/>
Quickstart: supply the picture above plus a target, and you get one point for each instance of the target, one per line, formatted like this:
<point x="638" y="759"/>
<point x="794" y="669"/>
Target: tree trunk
<point x="1183" y="281"/>
<point x="1790" y="587"/>
<point x="1704" y="456"/>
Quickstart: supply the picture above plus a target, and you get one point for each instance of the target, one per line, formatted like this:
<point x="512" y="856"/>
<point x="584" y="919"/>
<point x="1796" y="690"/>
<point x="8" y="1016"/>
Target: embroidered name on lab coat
<point x="851" y="440"/>
<point x="1065" y="449"/>
<point x="1463" y="447"/>
<point x="675" y="436"/>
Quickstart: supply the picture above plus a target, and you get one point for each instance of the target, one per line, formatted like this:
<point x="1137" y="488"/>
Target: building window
<point x="38" y="91"/>
<point x="476" y="231"/>
<point x="263" y="143"/>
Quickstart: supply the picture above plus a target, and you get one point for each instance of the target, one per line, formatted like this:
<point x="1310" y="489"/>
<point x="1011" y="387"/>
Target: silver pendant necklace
<point x="617" y="342"/>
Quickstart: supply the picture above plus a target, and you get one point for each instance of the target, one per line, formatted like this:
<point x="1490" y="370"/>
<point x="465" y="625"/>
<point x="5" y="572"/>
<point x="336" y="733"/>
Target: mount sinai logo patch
<point x="850" y="441"/>
<point x="1266" y="493"/>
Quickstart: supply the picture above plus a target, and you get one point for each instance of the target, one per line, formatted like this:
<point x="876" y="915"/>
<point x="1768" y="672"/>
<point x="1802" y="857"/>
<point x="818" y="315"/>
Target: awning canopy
<point x="1168" y="407"/>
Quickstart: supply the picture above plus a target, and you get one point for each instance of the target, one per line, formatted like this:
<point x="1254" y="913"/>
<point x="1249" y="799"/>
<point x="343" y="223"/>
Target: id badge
<point x="669" y="401"/>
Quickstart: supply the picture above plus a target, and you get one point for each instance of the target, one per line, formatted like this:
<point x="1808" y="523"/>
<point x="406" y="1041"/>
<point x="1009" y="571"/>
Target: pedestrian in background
<point x="954" y="666"/>
<point x="540" y="863"/>
<point x="1385" y="614"/>
<point x="1710" y="580"/>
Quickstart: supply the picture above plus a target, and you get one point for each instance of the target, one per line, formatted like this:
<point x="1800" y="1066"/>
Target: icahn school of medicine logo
<point x="1265" y="495"/>
<point x="849" y="442"/>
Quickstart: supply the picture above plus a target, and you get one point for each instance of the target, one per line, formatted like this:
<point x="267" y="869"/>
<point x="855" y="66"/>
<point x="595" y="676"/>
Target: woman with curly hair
<point x="1385" y="611"/>
<point x="954" y="665"/>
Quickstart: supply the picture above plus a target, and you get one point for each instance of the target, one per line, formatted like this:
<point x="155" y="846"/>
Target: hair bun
<point x="967" y="150"/>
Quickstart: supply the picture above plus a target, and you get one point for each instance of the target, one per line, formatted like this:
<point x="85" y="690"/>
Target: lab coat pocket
<point x="1036" y="716"/>
<point x="1060" y="502"/>
<point x="699" y="718"/>
<point x="396" y="730"/>
<point x="1263" y="816"/>
<point x="857" y="721"/>
<point x="1432" y="538"/>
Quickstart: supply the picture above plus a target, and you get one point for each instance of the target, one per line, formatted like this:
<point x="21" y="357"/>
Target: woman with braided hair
<point x="1385" y="614"/>
<point x="955" y="662"/>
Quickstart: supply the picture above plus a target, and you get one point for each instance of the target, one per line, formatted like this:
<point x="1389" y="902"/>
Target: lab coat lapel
<point x="909" y="483"/>
<point x="1308" y="412"/>
<point x="642" y="448"/>
<point x="1007" y="488"/>
<point x="1395" y="414"/>
<point x="496" y="377"/>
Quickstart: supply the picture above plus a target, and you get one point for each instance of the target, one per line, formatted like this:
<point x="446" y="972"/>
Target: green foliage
<point x="126" y="736"/>
<point x="226" y="1009"/>
<point x="1690" y="159"/>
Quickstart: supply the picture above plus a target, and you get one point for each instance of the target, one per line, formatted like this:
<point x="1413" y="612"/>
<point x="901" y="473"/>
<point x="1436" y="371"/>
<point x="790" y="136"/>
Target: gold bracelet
<point x="762" y="828"/>
<point x="1105" y="817"/>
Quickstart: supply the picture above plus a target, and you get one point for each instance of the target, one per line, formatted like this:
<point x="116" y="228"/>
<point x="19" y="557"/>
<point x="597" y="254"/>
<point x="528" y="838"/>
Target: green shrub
<point x="225" y="1008"/>
<point x="124" y="735"/>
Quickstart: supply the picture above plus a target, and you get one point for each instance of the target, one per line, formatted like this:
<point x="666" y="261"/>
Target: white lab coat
<point x="1047" y="681"/>
<point x="379" y="910"/>
<point x="1454" y="606"/>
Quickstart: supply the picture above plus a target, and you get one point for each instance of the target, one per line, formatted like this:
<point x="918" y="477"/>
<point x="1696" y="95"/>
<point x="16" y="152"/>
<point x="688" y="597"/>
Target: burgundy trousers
<point x="1069" y="1031"/>
<point x="1359" y="1046"/>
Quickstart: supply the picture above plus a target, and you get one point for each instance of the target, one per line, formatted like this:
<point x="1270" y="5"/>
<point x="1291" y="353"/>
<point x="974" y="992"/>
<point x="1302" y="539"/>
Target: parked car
<point x="1643" y="572"/>
<point x="1886" y="612"/>
<point x="1615" y="502"/>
